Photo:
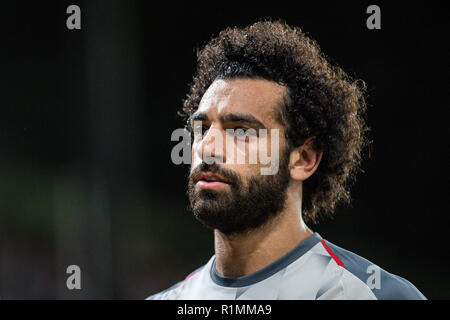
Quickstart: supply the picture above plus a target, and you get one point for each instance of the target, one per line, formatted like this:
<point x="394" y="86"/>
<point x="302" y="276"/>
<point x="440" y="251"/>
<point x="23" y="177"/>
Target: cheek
<point x="252" y="151"/>
<point x="271" y="147"/>
<point x="195" y="155"/>
<point x="242" y="152"/>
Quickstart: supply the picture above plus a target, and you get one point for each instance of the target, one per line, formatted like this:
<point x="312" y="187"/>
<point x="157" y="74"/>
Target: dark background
<point x="86" y="117"/>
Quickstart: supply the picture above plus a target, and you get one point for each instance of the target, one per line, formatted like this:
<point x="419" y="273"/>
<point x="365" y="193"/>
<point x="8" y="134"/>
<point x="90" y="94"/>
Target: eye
<point x="200" y="128"/>
<point x="243" y="132"/>
<point x="240" y="131"/>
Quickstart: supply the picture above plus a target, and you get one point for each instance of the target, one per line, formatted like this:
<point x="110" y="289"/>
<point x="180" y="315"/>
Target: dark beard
<point x="243" y="208"/>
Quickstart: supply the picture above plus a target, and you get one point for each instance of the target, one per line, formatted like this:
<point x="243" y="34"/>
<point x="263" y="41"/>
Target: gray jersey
<point x="315" y="269"/>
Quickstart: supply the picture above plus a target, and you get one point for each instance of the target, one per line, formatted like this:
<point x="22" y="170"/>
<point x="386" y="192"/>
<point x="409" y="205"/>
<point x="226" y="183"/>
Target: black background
<point x="86" y="117"/>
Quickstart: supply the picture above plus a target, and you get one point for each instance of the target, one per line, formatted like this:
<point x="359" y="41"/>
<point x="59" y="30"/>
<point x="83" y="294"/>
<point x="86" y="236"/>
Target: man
<point x="269" y="76"/>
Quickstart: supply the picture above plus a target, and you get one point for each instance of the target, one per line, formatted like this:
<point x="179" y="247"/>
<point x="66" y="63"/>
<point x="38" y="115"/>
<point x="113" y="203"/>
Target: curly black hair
<point x="323" y="101"/>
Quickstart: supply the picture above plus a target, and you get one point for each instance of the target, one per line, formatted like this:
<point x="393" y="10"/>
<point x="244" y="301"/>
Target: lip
<point x="210" y="175"/>
<point x="203" y="184"/>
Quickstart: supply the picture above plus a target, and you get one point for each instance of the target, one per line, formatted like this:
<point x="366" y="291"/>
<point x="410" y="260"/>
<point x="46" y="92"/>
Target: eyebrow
<point x="230" y="117"/>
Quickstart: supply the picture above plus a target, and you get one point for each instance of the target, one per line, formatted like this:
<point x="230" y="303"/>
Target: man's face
<point x="227" y="194"/>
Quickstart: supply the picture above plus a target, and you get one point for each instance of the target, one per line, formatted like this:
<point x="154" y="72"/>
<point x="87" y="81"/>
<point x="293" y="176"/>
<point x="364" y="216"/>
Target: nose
<point x="211" y="149"/>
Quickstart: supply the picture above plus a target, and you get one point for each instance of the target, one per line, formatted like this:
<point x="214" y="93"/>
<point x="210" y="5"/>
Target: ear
<point x="304" y="160"/>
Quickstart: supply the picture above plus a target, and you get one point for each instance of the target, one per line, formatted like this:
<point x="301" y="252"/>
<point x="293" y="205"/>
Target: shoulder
<point x="173" y="291"/>
<point x="384" y="285"/>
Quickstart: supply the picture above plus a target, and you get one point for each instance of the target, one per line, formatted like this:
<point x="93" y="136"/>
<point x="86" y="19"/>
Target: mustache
<point x="228" y="174"/>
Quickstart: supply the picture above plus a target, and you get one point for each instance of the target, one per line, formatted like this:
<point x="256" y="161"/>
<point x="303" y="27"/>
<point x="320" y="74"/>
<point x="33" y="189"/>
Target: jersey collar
<point x="268" y="270"/>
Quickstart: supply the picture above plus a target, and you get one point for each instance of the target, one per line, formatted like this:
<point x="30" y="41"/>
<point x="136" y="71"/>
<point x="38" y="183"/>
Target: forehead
<point x="258" y="97"/>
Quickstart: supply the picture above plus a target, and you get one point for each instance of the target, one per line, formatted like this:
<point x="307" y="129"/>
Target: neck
<point x="244" y="254"/>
